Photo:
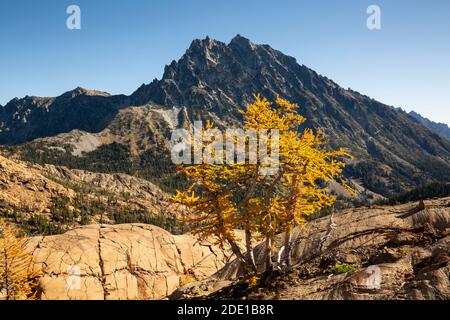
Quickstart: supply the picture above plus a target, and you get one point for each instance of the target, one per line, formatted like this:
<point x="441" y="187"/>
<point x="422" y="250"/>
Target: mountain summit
<point x="25" y="119"/>
<point x="223" y="78"/>
<point x="214" y="80"/>
<point x="213" y="77"/>
<point x="78" y="91"/>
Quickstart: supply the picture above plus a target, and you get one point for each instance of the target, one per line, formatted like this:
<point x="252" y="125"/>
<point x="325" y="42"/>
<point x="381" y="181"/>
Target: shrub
<point x="343" y="268"/>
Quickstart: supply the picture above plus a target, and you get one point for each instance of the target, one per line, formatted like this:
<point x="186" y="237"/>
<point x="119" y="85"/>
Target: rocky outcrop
<point x="139" y="128"/>
<point x="398" y="252"/>
<point x="27" y="188"/>
<point x="29" y="191"/>
<point x="114" y="183"/>
<point x="131" y="261"/>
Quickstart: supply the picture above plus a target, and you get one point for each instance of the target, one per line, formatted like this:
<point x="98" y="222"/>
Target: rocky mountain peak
<point x="33" y="117"/>
<point x="214" y="80"/>
<point x="241" y="42"/>
<point x="79" y="91"/>
<point x="203" y="54"/>
<point x="215" y="76"/>
<point x="202" y="44"/>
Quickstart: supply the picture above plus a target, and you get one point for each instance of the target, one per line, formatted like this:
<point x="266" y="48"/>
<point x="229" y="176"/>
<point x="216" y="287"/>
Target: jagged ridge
<point x="393" y="151"/>
<point x="214" y="80"/>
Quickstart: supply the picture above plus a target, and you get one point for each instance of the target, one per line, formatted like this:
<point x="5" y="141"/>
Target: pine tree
<point x="224" y="197"/>
<point x="18" y="278"/>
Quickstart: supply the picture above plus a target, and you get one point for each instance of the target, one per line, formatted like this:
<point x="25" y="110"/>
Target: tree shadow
<point x="412" y="211"/>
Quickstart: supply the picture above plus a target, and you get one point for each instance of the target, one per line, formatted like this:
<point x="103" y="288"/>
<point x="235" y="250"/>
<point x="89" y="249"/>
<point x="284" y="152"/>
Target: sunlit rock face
<point x="392" y="252"/>
<point x="130" y="261"/>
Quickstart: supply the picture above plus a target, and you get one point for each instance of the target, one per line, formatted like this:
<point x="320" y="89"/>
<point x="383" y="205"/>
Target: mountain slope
<point x="51" y="199"/>
<point x="135" y="142"/>
<point x="393" y="151"/>
<point x="439" y="128"/>
<point x="25" y="119"/>
<point x="214" y="80"/>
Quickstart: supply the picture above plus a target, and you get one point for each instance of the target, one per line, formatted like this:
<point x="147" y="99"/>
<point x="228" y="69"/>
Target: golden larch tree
<point x="229" y="196"/>
<point x="18" y="278"/>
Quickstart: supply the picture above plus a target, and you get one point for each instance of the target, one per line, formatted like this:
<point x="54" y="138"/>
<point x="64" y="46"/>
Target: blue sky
<point x="123" y="44"/>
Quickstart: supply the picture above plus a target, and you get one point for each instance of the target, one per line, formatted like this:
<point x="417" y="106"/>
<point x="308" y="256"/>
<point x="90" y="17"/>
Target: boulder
<point x="130" y="261"/>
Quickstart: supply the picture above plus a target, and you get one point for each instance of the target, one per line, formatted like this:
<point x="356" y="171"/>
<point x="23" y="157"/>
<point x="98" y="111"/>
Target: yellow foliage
<point x="252" y="281"/>
<point x="224" y="197"/>
<point x="187" y="279"/>
<point x="18" y="279"/>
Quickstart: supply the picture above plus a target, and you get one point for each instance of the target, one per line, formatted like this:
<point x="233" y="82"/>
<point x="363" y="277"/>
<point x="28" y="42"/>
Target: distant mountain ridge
<point x="439" y="128"/>
<point x="25" y="119"/>
<point x="214" y="80"/>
